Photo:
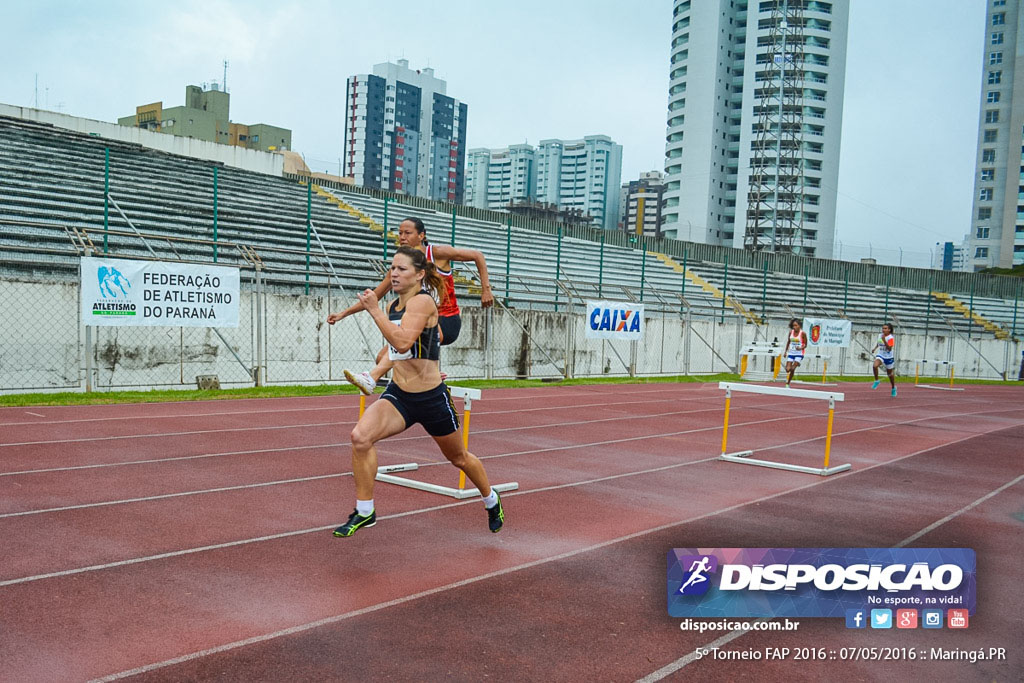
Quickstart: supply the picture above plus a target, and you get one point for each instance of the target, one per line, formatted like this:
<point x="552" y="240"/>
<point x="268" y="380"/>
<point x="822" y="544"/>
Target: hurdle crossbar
<point x="938" y="363"/>
<point x="384" y="473"/>
<point x="743" y="457"/>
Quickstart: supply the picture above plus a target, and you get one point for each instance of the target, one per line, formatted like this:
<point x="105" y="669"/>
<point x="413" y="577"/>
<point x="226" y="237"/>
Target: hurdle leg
<point x="725" y="423"/>
<point x="465" y="442"/>
<point x="362" y="404"/>
<point x="917" y="371"/>
<point x="951" y="371"/>
<point x="824" y="371"/>
<point x="828" y="431"/>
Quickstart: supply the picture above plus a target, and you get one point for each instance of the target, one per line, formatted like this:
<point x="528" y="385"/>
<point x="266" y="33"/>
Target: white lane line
<point x="482" y="577"/>
<point x="339" y="406"/>
<point x="346" y="443"/>
<point x="675" y="666"/>
<point x="296" y="426"/>
<point x="499" y="455"/>
<point x="774" y="404"/>
<point x="548" y="488"/>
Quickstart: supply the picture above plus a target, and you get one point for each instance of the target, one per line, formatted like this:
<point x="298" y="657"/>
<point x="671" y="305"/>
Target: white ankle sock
<point x="364" y="507"/>
<point x="491" y="500"/>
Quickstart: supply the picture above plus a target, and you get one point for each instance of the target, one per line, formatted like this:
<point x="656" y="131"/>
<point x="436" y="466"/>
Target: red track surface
<point x="192" y="540"/>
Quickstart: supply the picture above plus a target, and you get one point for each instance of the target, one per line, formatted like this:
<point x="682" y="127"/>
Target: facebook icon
<point x="856" y="618"/>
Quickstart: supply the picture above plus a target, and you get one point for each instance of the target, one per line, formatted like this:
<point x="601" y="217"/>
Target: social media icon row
<point x="905" y="618"/>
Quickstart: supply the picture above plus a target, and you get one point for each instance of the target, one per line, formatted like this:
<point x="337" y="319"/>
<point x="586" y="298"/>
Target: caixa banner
<point x="615" y="320"/>
<point x="817" y="582"/>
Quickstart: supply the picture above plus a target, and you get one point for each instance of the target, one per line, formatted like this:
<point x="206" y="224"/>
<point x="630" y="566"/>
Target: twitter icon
<point x="881" y="618"/>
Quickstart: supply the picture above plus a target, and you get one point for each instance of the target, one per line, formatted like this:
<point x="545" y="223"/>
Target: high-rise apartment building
<point x="571" y="175"/>
<point x="641" y="202"/>
<point x="754" y="122"/>
<point x="497" y="177"/>
<point x="582" y="175"/>
<point x="997" y="220"/>
<point x="404" y="133"/>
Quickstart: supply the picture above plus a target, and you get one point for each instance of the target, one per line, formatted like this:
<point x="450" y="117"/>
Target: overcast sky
<point x="527" y="70"/>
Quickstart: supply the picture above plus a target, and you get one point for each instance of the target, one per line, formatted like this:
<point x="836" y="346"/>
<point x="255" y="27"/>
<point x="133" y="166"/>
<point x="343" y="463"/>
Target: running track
<point x="191" y="541"/>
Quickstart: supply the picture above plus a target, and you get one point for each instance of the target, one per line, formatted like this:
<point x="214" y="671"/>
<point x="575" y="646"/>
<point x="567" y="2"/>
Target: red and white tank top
<point x="450" y="307"/>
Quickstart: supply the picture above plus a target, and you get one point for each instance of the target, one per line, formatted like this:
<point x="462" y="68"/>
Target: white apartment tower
<point x="582" y="175"/>
<point x="997" y="222"/>
<point x="754" y="123"/>
<point x="497" y="177"/>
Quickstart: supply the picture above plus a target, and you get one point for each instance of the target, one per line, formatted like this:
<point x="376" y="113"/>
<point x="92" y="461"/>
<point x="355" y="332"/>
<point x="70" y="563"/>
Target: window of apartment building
<point x="982" y="233"/>
<point x="997" y="38"/>
<point x="998" y="3"/>
<point x="995" y="77"/>
<point x="995" y="58"/>
<point x="990" y="135"/>
<point x="992" y="116"/>
<point x="984" y="213"/>
<point x="988" y="156"/>
<point x="992" y="97"/>
<point x="985" y="195"/>
<point x="981" y="252"/>
<point x="988" y="174"/>
<point x="998" y="19"/>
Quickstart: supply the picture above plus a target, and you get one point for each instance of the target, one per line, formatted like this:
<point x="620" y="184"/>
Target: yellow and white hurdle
<point x="938" y="364"/>
<point x="385" y="473"/>
<point x="743" y="457"/>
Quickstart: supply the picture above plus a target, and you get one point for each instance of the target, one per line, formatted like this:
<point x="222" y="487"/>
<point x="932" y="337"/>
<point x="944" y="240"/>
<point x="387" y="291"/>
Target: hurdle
<point x="743" y="457"/>
<point x="952" y="373"/>
<point x="824" y="358"/>
<point x="386" y="474"/>
<point x="754" y="350"/>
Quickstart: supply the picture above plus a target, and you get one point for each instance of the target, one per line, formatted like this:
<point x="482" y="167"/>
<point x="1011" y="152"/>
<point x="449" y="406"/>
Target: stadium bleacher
<point x="52" y="183"/>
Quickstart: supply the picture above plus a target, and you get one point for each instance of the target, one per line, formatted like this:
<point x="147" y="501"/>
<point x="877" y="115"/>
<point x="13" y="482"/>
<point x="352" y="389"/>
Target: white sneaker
<point x="363" y="381"/>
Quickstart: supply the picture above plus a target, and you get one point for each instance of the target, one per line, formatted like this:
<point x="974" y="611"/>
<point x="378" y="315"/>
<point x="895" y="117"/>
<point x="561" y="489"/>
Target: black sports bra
<point x="427" y="346"/>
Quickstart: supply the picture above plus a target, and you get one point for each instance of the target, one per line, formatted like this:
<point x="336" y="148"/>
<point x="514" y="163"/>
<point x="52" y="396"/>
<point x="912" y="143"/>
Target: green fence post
<point x="643" y="269"/>
<point x="846" y="291"/>
<point x="928" y="310"/>
<point x="600" y="268"/>
<point x="508" y="257"/>
<point x="1016" y="296"/>
<point x="807" y="267"/>
<point x="682" y="287"/>
<point x="214" y="214"/>
<point x="764" y="289"/>
<point x="453" y="228"/>
<point x="558" y="265"/>
<point x="309" y="224"/>
<point x="106" y="196"/>
<point x="888" y="280"/>
<point x="970" y="313"/>
<point x="385" y="228"/>
<point x="725" y="286"/>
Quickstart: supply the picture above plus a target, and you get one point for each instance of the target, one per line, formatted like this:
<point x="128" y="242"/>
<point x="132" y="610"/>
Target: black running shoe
<point x="356" y="522"/>
<point x="495" y="516"/>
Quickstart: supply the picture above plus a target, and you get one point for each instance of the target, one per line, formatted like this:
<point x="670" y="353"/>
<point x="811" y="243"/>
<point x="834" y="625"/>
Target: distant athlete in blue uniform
<point x="885" y="355"/>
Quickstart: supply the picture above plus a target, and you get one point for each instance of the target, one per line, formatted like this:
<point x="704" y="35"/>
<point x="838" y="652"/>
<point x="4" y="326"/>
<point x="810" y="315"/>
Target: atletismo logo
<point x="696" y="580"/>
<point x="110" y="277"/>
<point x="807" y="582"/>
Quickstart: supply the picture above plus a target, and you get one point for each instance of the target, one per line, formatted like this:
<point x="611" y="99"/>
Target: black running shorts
<point x="433" y="409"/>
